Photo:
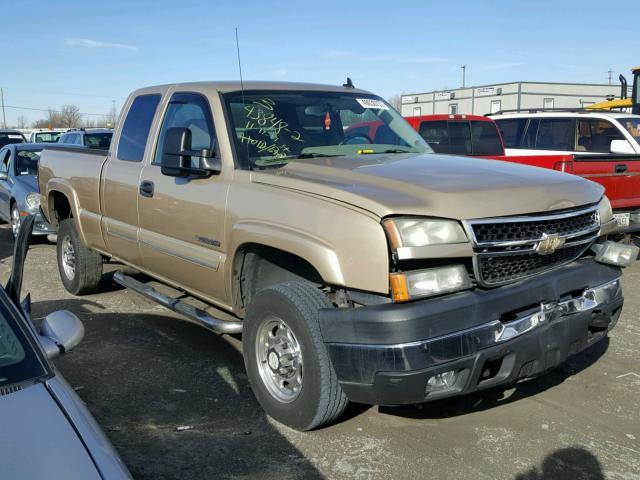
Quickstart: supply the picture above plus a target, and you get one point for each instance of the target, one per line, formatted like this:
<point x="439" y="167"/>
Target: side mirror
<point x="60" y="332"/>
<point x="177" y="156"/>
<point x="3" y="175"/>
<point x="622" y="146"/>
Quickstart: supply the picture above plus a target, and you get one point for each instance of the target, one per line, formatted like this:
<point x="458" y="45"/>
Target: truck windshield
<point x="46" y="137"/>
<point x="27" y="162"/>
<point x="632" y="124"/>
<point x="18" y="360"/>
<point x="274" y="127"/>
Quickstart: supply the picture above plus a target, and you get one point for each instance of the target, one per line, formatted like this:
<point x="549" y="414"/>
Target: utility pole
<point x="610" y="72"/>
<point x="464" y="70"/>
<point x="4" y="118"/>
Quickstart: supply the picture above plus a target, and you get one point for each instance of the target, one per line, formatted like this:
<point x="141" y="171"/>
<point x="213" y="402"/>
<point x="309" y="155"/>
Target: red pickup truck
<point x="475" y="135"/>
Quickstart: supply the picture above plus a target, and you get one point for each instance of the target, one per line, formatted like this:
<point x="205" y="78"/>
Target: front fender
<point x="355" y="258"/>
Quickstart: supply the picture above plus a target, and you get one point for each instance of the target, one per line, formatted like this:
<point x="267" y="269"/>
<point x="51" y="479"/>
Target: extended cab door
<point x="182" y="218"/>
<point x="619" y="174"/>
<point x="121" y="180"/>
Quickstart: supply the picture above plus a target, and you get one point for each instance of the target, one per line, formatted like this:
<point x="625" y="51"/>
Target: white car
<point x="46" y="135"/>
<point x="573" y="131"/>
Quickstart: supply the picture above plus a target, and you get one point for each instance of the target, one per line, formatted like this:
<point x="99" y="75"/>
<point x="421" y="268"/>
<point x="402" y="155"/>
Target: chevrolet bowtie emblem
<point x="549" y="243"/>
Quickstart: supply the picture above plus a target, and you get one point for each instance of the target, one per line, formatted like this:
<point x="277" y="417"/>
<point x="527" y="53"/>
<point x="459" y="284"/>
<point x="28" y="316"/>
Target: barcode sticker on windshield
<point x="14" y="136"/>
<point x="372" y="103"/>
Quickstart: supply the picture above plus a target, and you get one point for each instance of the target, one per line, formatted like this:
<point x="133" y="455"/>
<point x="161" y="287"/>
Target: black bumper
<point x="386" y="354"/>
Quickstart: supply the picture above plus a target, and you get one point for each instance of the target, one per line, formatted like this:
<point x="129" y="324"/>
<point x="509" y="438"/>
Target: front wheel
<point x="15" y="220"/>
<point x="287" y="363"/>
<point x="80" y="268"/>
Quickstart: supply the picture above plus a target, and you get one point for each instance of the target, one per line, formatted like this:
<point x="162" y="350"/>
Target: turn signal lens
<point x="398" y="283"/>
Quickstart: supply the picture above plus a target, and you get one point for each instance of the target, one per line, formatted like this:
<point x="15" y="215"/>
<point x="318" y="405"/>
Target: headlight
<point x="432" y="281"/>
<point x="419" y="232"/>
<point x="604" y="208"/>
<point x="33" y="200"/>
<point x="615" y="253"/>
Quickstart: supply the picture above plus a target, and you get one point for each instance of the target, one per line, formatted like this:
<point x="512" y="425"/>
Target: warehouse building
<point x="506" y="96"/>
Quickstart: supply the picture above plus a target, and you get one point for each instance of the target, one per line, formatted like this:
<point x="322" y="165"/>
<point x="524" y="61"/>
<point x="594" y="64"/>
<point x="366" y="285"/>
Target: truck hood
<point x="434" y="185"/>
<point x="37" y="441"/>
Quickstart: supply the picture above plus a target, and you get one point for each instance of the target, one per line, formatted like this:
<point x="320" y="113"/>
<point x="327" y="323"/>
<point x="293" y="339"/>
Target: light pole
<point x="4" y="119"/>
<point x="464" y="69"/>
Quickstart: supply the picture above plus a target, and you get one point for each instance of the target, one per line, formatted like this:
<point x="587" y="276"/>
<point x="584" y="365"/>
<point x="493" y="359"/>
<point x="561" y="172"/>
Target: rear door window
<point x="595" y="135"/>
<point x="555" y="134"/>
<point x="512" y="130"/>
<point x="135" y="131"/>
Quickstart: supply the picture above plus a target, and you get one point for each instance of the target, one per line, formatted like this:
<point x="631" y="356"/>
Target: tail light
<point x="564" y="166"/>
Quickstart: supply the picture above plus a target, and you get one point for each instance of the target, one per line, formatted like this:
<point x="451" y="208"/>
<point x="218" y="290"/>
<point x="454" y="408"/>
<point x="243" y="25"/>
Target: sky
<point x="92" y="54"/>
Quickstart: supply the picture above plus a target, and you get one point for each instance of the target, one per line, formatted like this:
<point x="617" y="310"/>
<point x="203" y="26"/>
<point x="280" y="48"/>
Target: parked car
<point x="479" y="136"/>
<point x="99" y="138"/>
<point x="47" y="431"/>
<point x="46" y="135"/>
<point x="472" y="135"/>
<point x="19" y="194"/>
<point x="604" y="148"/>
<point x="11" y="136"/>
<point x="358" y="270"/>
<point x="575" y="132"/>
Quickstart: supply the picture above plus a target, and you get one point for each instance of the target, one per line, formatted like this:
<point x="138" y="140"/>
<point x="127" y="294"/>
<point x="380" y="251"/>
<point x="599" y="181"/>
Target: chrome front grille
<point x="508" y="249"/>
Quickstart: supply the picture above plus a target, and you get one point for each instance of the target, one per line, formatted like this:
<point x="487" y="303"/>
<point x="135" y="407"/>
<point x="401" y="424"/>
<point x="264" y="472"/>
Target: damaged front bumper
<point x="397" y="354"/>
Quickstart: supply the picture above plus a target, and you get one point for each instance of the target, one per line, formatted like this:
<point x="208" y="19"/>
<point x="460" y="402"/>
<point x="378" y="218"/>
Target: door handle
<point x="146" y="188"/>
<point x="621" y="168"/>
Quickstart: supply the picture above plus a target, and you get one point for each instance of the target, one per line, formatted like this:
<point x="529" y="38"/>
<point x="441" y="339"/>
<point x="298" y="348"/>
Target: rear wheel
<point x="80" y="268"/>
<point x="287" y="363"/>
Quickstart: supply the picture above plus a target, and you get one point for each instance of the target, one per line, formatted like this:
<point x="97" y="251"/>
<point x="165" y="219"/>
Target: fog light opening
<point x="442" y="381"/>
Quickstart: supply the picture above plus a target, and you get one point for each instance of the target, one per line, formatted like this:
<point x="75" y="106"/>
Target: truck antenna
<point x="239" y="65"/>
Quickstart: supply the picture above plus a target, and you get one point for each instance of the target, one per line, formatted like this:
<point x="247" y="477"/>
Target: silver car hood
<point x="37" y="441"/>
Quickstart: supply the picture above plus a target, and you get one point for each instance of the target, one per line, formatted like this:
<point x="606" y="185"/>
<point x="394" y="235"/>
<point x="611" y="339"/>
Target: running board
<point x="194" y="314"/>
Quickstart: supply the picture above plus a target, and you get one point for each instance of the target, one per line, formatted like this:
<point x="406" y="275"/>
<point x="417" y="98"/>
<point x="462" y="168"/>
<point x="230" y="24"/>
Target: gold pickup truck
<point x="357" y="265"/>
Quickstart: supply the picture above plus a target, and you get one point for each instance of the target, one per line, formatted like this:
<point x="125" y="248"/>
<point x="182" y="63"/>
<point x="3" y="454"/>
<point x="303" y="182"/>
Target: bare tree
<point x="22" y="121"/>
<point x="395" y="101"/>
<point x="70" y="116"/>
<point x="111" y="117"/>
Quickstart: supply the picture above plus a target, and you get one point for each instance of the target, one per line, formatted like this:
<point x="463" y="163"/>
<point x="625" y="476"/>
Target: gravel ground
<point x="175" y="401"/>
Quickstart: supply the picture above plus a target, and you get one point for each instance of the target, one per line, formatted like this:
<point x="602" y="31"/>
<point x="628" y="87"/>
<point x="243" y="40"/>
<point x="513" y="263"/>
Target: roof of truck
<point x="236" y="86"/>
<point x="577" y="114"/>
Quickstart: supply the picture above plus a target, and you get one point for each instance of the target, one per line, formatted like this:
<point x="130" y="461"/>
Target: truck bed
<point x="59" y="169"/>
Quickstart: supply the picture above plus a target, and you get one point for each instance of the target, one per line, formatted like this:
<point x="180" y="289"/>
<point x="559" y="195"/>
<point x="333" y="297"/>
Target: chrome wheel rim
<point x="68" y="258"/>
<point x="15" y="221"/>
<point x="279" y="359"/>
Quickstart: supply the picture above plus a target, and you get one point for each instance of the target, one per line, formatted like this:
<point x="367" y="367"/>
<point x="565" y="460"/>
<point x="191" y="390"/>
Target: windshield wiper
<point x="391" y="150"/>
<point x="317" y="155"/>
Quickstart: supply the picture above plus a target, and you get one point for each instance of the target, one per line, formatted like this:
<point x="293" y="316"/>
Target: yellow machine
<point x="623" y="101"/>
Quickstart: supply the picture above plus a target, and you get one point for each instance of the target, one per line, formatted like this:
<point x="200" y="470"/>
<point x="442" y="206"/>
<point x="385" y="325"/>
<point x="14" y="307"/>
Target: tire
<point x="320" y="398"/>
<point x="80" y="268"/>
<point x="14" y="219"/>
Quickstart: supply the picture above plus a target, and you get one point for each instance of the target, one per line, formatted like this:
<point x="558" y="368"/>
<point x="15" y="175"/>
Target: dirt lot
<point x="144" y="375"/>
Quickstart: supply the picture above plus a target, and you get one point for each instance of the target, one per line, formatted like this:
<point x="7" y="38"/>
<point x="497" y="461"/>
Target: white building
<point x="506" y="96"/>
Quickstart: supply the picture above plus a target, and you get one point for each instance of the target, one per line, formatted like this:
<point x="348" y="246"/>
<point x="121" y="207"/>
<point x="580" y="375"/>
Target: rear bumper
<point x="386" y="354"/>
